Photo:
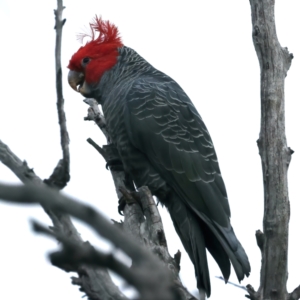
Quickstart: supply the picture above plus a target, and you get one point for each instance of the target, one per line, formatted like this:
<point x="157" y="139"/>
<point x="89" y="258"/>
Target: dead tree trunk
<point x="274" y="62"/>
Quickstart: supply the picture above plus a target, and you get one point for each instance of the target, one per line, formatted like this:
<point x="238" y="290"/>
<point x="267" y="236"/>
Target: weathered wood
<point x="149" y="276"/>
<point x="61" y="174"/>
<point x="275" y="62"/>
<point x="96" y="283"/>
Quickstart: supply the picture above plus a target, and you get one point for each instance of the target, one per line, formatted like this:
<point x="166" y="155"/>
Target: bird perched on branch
<point x="163" y="144"/>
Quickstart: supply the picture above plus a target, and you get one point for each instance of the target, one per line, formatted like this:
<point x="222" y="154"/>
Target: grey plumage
<point x="164" y="144"/>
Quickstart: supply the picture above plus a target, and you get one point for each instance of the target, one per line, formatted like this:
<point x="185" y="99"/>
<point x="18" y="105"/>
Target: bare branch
<point x="96" y="283"/>
<point x="152" y="280"/>
<point x="97" y="147"/>
<point x="61" y="174"/>
<point x="95" y="115"/>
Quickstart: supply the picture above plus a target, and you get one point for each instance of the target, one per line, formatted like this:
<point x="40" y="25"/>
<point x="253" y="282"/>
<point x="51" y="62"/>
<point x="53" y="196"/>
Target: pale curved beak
<point x="76" y="80"/>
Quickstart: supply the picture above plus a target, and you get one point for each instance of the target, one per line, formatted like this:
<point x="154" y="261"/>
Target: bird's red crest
<point x="101" y="49"/>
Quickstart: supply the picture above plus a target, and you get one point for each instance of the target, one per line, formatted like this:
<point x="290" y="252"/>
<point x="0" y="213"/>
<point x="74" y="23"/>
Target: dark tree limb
<point x="148" y="275"/>
<point x="275" y="62"/>
<point x="95" y="283"/>
<point x="61" y="174"/>
<point x="141" y="216"/>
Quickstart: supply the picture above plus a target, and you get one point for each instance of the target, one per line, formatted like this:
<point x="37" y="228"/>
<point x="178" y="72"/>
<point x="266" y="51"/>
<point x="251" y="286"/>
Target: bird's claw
<point x="114" y="165"/>
<point x="121" y="206"/>
<point x="128" y="198"/>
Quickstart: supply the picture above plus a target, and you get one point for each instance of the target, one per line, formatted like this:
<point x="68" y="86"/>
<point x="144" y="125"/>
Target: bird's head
<point x="100" y="54"/>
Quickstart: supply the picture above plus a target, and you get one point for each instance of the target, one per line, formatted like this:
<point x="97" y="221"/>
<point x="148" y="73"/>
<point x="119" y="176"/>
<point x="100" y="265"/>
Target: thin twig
<point x="234" y="284"/>
<point x="59" y="23"/>
<point x="97" y="147"/>
<point x="95" y="115"/>
<point x="61" y="174"/>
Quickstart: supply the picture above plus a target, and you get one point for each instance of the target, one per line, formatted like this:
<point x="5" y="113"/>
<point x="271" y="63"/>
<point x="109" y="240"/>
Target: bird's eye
<point x="86" y="60"/>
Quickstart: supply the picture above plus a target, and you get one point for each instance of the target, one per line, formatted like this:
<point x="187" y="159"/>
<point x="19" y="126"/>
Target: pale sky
<point x="206" y="46"/>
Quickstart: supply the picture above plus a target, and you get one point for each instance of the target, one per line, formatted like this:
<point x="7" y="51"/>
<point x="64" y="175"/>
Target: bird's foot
<point x="128" y="198"/>
<point x="121" y="206"/>
<point x="114" y="165"/>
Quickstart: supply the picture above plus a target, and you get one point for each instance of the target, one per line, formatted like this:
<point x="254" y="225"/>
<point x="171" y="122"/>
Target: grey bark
<point x="275" y="62"/>
<point x="61" y="174"/>
<point x="96" y="283"/>
<point x="149" y="276"/>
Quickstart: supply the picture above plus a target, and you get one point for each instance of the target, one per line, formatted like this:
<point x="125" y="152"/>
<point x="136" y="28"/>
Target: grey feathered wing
<point x="164" y="124"/>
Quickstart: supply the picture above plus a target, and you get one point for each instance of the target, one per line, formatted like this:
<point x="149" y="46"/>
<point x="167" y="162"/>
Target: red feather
<point x="102" y="50"/>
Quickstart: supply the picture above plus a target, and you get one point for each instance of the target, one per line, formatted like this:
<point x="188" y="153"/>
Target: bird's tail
<point x="193" y="240"/>
<point x="199" y="232"/>
<point x="224" y="246"/>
